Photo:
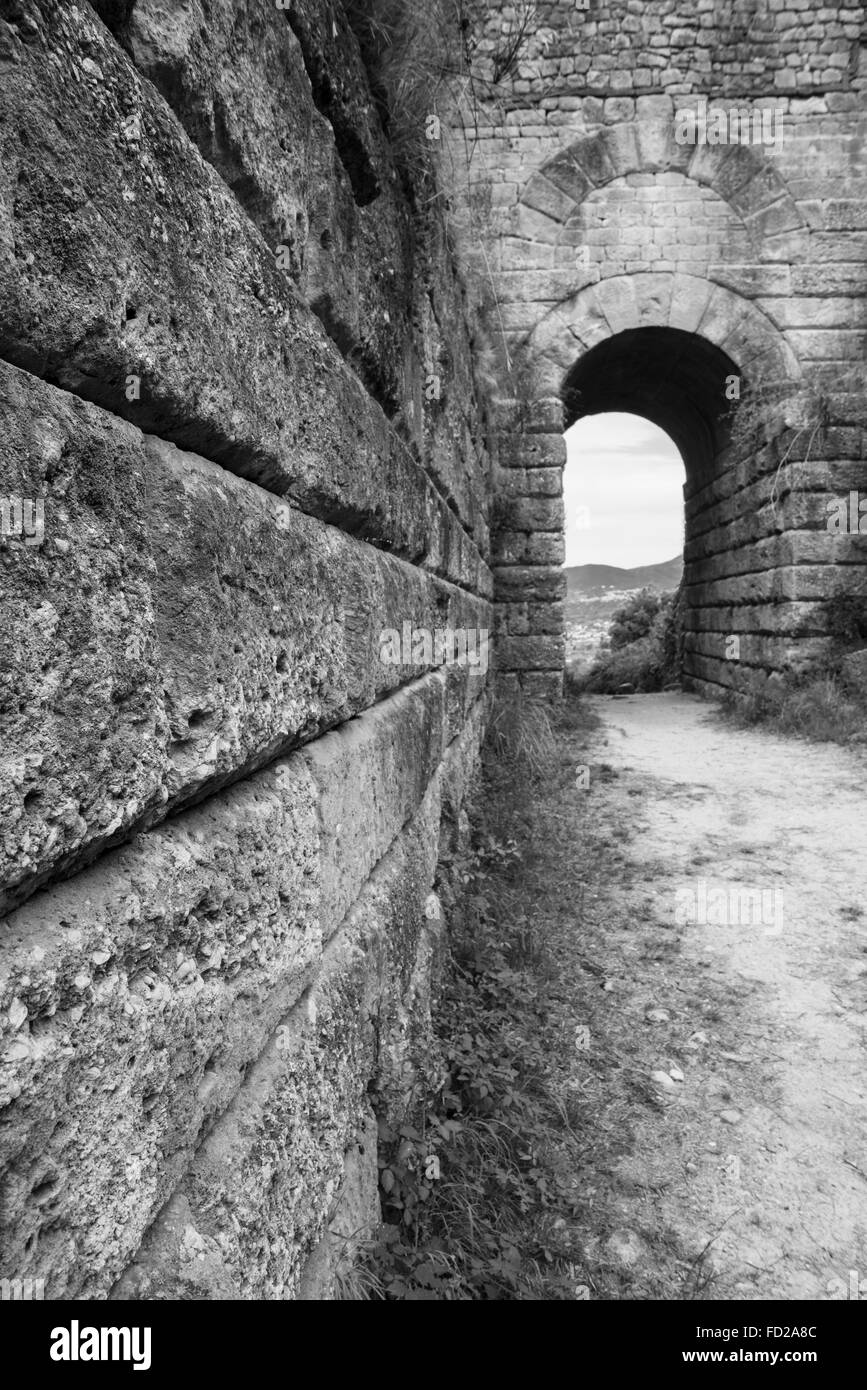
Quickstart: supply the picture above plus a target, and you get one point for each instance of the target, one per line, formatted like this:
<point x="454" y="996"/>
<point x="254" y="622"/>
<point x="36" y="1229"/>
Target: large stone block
<point x="131" y="276"/>
<point x="545" y="653"/>
<point x="529" y="548"/>
<point x="131" y="999"/>
<point x="371" y="774"/>
<point x="176" y="626"/>
<point x="800" y="583"/>
<point x="530" y="482"/>
<point x="264" y="1184"/>
<point x="531" y="513"/>
<point x="536" y="450"/>
<point x="244" y="80"/>
<point x="529" y="583"/>
<point x="134" y="997"/>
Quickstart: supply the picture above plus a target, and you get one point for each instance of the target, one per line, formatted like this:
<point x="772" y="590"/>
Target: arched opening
<point x="623" y="525"/>
<point x="686" y="386"/>
<point x="713" y="371"/>
<point x="678" y="380"/>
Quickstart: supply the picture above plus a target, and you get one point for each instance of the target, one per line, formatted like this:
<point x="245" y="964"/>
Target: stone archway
<point x="743" y="176"/>
<point x="726" y="274"/>
<point x="665" y="346"/>
<point x="659" y="300"/>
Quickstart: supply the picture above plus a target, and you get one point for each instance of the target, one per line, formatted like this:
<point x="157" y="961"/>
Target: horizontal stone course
<point x="134" y="996"/>
<point x="762" y="650"/>
<point x="530" y="653"/>
<point x="177" y="626"/>
<point x="783" y="617"/>
<point x="306" y="1102"/>
<point x="168" y="308"/>
<point x="315" y="181"/>
<point x="801" y="583"/>
<point x="130" y="999"/>
<point x="531" y="513"/>
<point x="529" y="548"/>
<point x="530" y="583"/>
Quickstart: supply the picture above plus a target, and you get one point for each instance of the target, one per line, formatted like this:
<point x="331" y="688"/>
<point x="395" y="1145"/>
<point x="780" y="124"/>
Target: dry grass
<point x="820" y="709"/>
<point x="530" y="1130"/>
<point x="521" y="736"/>
<point x="412" y="52"/>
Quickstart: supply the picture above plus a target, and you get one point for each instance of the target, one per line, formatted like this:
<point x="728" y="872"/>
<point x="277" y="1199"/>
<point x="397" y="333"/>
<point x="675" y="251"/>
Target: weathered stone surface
<point x="147" y="983"/>
<point x="316" y="181"/>
<point x="798" y="583"/>
<point x="259" y="1192"/>
<point x="275" y="100"/>
<point x="534" y="584"/>
<point x="371" y="774"/>
<point x="256" y="1200"/>
<point x="223" y="470"/>
<point x="176" y="626"/>
<point x="531" y="482"/>
<point x="545" y="618"/>
<point x="169" y="291"/>
<point x="756" y="248"/>
<point x="532" y="514"/>
<point x="530" y="653"/>
<point x="150" y="981"/>
<point x="760" y="649"/>
<point x="783" y="617"/>
<point x="536" y="450"/>
<point x="545" y="686"/>
<point x="529" y="548"/>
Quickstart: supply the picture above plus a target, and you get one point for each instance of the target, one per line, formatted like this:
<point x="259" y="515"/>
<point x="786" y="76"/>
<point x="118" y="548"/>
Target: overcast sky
<point x="623" y="493"/>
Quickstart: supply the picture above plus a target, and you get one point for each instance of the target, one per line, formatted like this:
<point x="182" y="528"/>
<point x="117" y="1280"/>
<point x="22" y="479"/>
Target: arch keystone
<point x="617" y="300"/>
<point x="690" y="296"/>
<point x="653" y="296"/>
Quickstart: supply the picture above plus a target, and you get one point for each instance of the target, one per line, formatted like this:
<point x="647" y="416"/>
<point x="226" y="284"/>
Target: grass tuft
<point x="820" y="708"/>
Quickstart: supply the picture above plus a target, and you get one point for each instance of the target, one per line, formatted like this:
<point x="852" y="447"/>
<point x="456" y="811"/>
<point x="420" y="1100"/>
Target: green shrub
<point x="635" y="619"/>
<point x="846" y="619"/>
<point x="645" y="646"/>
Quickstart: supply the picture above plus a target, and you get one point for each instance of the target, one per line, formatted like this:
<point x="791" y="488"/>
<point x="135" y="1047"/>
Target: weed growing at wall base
<point x="474" y="1190"/>
<point x="821" y="705"/>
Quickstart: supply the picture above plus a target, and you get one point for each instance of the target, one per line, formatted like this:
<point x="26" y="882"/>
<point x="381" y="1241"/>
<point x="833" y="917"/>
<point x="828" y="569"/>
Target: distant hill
<point x="595" y="579"/>
<point x="594" y="593"/>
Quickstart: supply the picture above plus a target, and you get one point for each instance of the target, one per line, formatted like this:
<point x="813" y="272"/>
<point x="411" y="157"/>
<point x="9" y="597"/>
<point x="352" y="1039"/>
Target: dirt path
<point x="747" y="1168"/>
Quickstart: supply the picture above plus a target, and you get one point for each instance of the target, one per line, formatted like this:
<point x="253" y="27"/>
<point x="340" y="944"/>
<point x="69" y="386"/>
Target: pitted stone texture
<point x="275" y="101"/>
<point x="176" y="626"/>
<point x="146" y="984"/>
<point x="134" y="997"/>
<point x="167" y="307"/>
<point x="264" y="1185"/>
<point x="240" y="82"/>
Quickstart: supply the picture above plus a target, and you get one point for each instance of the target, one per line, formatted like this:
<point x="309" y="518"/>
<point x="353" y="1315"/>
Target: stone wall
<point x="220" y="303"/>
<point x="243" y="437"/>
<point x="629" y="270"/>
